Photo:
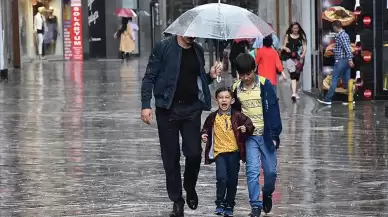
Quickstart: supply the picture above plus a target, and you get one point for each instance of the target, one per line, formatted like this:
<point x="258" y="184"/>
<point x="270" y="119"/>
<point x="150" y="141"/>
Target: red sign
<point x="73" y="33"/>
<point x="367" y="21"/>
<point x="367" y="58"/>
<point x="367" y="93"/>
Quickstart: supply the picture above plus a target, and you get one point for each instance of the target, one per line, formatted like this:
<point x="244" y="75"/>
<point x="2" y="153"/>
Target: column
<point x="5" y="38"/>
<point x="307" y="20"/>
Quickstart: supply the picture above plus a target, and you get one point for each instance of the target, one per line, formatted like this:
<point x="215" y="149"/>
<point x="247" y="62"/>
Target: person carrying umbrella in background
<point x="126" y="32"/>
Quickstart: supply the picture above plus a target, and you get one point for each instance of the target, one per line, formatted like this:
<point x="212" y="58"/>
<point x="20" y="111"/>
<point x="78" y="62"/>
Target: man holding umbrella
<point x="176" y="74"/>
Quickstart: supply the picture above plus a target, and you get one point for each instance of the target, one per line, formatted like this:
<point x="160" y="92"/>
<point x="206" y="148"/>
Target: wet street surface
<point x="72" y="144"/>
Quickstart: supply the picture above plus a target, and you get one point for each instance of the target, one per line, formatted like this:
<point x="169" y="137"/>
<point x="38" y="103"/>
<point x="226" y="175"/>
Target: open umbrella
<point x="125" y="12"/>
<point x="219" y="21"/>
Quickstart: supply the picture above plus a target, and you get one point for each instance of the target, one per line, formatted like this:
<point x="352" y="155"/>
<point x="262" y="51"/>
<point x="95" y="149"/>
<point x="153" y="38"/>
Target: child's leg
<point x="233" y="167"/>
<point x="222" y="179"/>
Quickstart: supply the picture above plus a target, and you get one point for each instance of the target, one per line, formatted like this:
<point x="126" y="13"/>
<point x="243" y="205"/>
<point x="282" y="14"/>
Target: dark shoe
<point x="177" y="210"/>
<point x="228" y="212"/>
<point x="192" y="199"/>
<point x="324" y="101"/>
<point x="219" y="210"/>
<point x="256" y="212"/>
<point x="267" y="203"/>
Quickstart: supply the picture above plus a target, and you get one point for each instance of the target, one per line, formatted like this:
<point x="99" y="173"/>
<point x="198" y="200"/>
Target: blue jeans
<point x="341" y="69"/>
<point x="255" y="147"/>
<point x="227" y="168"/>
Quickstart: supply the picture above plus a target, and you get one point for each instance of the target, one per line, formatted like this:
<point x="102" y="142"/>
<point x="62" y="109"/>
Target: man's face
<point x="188" y="40"/>
<point x="248" y="78"/>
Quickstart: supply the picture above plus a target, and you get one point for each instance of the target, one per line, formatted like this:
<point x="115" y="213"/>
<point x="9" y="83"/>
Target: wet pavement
<point x="72" y="144"/>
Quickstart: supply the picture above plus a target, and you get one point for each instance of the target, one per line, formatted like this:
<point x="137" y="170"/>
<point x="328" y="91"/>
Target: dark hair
<point x="124" y="23"/>
<point x="337" y="24"/>
<point x="130" y="18"/>
<point x="267" y="41"/>
<point x="301" y="31"/>
<point x="245" y="63"/>
<point x="224" y="89"/>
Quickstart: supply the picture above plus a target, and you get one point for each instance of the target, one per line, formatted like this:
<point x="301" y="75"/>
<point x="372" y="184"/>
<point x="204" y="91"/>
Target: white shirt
<point x="134" y="28"/>
<point x="39" y="22"/>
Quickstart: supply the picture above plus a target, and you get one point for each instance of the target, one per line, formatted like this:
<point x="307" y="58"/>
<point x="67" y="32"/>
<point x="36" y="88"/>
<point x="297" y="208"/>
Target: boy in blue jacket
<point x="256" y="98"/>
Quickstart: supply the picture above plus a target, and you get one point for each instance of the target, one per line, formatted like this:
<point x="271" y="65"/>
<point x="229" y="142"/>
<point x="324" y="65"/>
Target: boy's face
<point x="247" y="79"/>
<point x="224" y="100"/>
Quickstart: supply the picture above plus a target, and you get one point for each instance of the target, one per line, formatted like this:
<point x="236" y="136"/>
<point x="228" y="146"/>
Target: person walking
<point x="176" y="76"/>
<point x="237" y="47"/>
<point x="228" y="130"/>
<point x="294" y="51"/>
<point x="127" y="43"/>
<point x="255" y="97"/>
<point x="343" y="61"/>
<point x="268" y="62"/>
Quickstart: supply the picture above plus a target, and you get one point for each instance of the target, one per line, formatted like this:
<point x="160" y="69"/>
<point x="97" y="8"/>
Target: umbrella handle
<point x="219" y="79"/>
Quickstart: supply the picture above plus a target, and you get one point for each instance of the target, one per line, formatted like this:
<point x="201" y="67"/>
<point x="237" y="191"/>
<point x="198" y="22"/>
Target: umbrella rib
<point x="184" y="34"/>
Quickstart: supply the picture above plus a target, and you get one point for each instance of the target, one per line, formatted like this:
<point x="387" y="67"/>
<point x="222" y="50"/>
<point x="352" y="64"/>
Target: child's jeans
<point x="227" y="169"/>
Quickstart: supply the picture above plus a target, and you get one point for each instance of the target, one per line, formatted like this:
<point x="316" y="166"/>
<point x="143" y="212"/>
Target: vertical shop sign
<point x="73" y="30"/>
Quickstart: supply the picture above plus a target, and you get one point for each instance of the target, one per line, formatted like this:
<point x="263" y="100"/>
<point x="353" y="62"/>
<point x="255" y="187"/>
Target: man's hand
<point x="351" y="64"/>
<point x="216" y="70"/>
<point x="146" y="116"/>
<point x="204" y="138"/>
<point x="242" y="128"/>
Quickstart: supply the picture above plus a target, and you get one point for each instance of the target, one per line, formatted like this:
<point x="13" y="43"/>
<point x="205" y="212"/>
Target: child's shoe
<point x="219" y="210"/>
<point x="228" y="212"/>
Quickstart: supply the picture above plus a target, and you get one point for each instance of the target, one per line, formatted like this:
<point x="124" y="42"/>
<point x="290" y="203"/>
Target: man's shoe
<point x="267" y="203"/>
<point x="192" y="199"/>
<point x="177" y="210"/>
<point x="256" y="212"/>
<point x="219" y="210"/>
<point x="324" y="101"/>
<point x="228" y="212"/>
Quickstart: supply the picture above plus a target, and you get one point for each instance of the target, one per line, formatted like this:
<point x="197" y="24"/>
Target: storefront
<point x="366" y="22"/>
<point x="52" y="44"/>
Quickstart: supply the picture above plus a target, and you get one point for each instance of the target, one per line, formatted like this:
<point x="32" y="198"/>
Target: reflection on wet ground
<point x="72" y="144"/>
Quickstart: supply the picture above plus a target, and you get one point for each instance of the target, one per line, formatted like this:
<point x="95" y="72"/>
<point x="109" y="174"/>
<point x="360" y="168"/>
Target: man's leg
<point x="346" y="74"/>
<point x="192" y="150"/>
<point x="253" y="171"/>
<point x="170" y="151"/>
<point x="336" y="75"/>
<point x="233" y="161"/>
<point x="269" y="163"/>
<point x="222" y="181"/>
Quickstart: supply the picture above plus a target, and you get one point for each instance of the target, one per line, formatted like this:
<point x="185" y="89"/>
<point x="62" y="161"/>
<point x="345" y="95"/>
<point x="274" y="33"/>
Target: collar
<point x="228" y="112"/>
<point x="256" y="84"/>
<point x="340" y="32"/>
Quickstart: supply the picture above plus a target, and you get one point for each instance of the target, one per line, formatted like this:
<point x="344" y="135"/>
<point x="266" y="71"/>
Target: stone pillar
<point x="5" y="38"/>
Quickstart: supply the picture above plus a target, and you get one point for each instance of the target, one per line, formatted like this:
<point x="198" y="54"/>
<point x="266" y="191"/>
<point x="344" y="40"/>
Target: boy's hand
<point x="204" y="138"/>
<point x="242" y="128"/>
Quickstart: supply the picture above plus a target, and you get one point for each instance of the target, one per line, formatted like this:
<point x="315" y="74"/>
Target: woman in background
<point x="293" y="52"/>
<point x="238" y="46"/>
<point x="127" y="43"/>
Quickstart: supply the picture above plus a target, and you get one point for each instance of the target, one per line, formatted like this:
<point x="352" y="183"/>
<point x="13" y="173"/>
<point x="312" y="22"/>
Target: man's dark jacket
<point x="162" y="74"/>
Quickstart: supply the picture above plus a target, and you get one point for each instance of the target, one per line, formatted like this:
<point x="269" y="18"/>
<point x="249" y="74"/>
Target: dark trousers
<point x="227" y="168"/>
<point x="233" y="69"/>
<point x="186" y="120"/>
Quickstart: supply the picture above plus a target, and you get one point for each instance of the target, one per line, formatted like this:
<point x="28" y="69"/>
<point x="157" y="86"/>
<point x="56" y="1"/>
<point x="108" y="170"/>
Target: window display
<point x="39" y="22"/>
<point x="355" y="17"/>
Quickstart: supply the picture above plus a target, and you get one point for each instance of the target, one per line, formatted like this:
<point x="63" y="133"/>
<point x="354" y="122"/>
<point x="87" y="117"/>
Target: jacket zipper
<point x="176" y="77"/>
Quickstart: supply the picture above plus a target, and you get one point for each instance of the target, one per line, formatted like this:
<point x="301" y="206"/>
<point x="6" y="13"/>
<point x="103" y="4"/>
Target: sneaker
<point x="177" y="210"/>
<point x="347" y="103"/>
<point x="267" y="203"/>
<point x="228" y="212"/>
<point x="256" y="212"/>
<point x="324" y="102"/>
<point x="219" y="210"/>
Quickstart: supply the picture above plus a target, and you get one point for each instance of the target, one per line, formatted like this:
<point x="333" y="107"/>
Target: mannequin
<point x="50" y="37"/>
<point x="39" y="30"/>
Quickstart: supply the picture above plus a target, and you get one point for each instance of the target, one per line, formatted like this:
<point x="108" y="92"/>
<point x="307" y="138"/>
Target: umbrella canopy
<point x="219" y="21"/>
<point x="125" y="12"/>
